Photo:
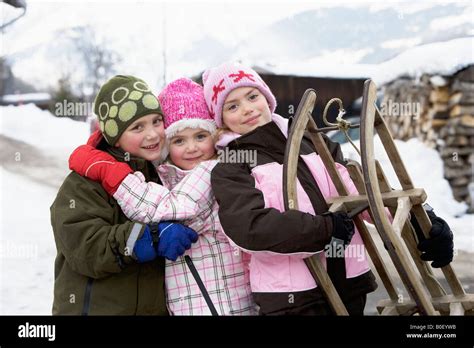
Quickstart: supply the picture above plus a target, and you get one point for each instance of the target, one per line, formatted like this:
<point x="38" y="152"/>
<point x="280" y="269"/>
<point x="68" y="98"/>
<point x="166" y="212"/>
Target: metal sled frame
<point x="427" y="295"/>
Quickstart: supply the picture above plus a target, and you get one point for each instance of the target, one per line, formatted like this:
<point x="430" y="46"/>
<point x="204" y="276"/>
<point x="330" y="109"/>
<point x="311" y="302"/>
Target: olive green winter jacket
<point x="94" y="272"/>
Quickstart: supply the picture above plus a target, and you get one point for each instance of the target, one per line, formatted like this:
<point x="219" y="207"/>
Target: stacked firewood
<point x="405" y="106"/>
<point x="443" y="119"/>
<point x="457" y="147"/>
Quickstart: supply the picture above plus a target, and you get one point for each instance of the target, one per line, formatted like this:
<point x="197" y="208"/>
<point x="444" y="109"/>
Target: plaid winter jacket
<point x="187" y="196"/>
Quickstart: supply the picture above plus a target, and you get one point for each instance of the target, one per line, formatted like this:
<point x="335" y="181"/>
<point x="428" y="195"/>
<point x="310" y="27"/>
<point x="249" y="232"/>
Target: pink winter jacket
<point x="223" y="268"/>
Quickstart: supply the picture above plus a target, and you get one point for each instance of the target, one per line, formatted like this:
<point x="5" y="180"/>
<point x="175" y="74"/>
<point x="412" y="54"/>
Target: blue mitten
<point x="144" y="249"/>
<point x="174" y="239"/>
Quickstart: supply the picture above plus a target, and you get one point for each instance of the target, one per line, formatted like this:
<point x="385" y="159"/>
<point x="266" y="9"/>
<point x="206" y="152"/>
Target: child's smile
<point x="144" y="138"/>
<point x="191" y="146"/>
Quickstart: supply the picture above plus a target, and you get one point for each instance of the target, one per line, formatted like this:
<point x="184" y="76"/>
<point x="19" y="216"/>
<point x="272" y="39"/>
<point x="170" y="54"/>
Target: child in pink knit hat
<point x="186" y="195"/>
<point x="188" y="125"/>
<point x="251" y="206"/>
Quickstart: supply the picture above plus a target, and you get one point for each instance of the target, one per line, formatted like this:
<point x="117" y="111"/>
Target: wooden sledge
<point x="427" y="296"/>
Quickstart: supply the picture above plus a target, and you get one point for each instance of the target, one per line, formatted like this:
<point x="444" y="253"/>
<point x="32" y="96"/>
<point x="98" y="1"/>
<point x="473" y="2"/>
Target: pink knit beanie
<point x="223" y="79"/>
<point x="183" y="105"/>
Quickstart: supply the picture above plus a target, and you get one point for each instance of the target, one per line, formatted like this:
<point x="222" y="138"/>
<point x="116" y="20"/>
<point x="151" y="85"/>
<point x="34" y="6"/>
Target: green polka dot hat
<point x="120" y="102"/>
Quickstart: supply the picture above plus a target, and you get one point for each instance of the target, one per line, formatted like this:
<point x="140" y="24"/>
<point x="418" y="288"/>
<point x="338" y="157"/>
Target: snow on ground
<point x="425" y="167"/>
<point x="27" y="248"/>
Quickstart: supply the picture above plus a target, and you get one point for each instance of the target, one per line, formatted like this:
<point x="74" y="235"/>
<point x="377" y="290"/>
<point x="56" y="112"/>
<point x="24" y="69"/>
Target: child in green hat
<point x="105" y="263"/>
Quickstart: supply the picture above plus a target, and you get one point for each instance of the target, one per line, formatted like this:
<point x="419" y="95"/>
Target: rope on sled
<point x="342" y="124"/>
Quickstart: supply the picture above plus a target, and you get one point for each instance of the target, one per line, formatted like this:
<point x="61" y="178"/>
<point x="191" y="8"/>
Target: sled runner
<point x="427" y="296"/>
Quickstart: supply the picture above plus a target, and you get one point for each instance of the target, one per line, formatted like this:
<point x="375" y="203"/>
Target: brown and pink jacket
<point x="251" y="211"/>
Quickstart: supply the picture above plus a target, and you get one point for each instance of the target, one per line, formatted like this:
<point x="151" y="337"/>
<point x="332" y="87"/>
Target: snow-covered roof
<point x="444" y="58"/>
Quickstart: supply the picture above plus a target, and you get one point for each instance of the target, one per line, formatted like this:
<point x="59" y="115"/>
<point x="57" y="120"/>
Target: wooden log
<point x="455" y="151"/>
<point x="440" y="95"/>
<point x="454" y="127"/>
<point x="460" y="181"/>
<point x="462" y="86"/>
<point x="440" y="115"/>
<point x="462" y="98"/>
<point x="450" y="173"/>
<point x="426" y="126"/>
<point x="455" y="163"/>
<point x="459" y="110"/>
<point x="467" y="120"/>
<point x="460" y="192"/>
<point x="457" y="140"/>
<point x="466" y="74"/>
<point x="471" y="158"/>
<point x="439" y="107"/>
<point x="438" y="123"/>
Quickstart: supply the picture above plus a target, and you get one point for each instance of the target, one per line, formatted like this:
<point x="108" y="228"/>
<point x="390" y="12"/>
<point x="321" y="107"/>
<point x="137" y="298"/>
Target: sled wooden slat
<point x="292" y="150"/>
<point x="390" y="199"/>
<point x="356" y="176"/>
<point x="390" y="310"/>
<point x="456" y="308"/>
<point x="408" y="236"/>
<point x="401" y="215"/>
<point x="442" y="304"/>
<point x="406" y="182"/>
<point x="397" y="250"/>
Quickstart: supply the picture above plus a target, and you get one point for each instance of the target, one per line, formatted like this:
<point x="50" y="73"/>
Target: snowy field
<point x="27" y="248"/>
